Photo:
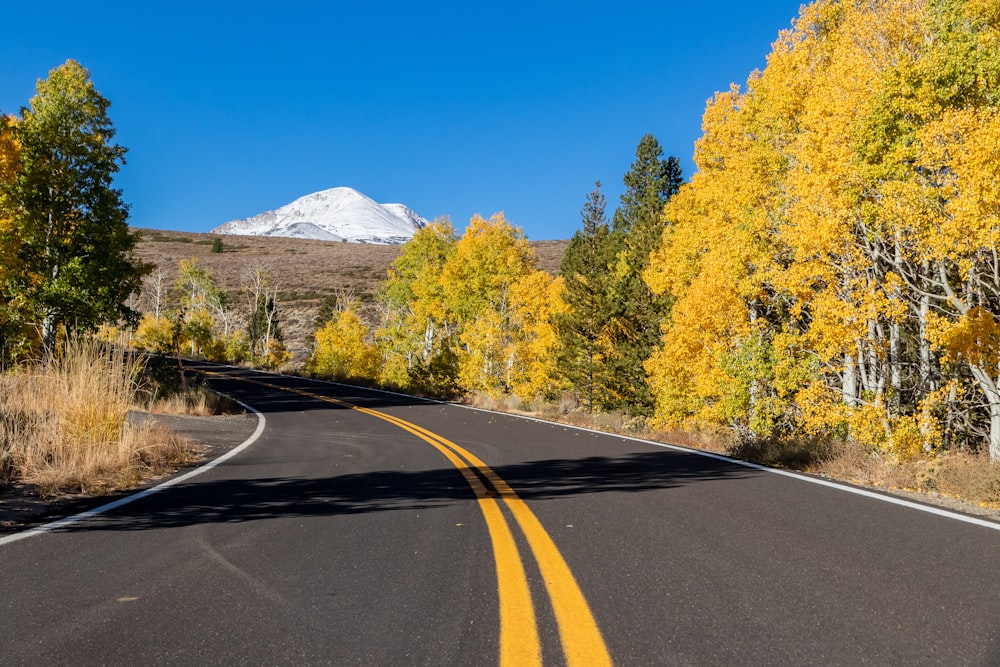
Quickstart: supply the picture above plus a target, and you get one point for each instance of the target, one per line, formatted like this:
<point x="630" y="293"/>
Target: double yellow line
<point x="519" y="643"/>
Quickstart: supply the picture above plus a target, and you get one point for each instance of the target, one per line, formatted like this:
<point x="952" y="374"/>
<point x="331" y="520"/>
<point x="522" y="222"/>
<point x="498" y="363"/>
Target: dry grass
<point x="567" y="410"/>
<point x="64" y="424"/>
<point x="964" y="476"/>
<point x="199" y="401"/>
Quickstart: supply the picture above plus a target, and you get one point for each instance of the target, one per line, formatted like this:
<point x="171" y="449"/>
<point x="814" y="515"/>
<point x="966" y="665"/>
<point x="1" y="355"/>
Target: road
<point x="365" y="528"/>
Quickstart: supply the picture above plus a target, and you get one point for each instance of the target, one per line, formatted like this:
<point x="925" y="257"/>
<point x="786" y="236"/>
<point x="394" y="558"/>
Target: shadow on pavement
<point x="242" y="500"/>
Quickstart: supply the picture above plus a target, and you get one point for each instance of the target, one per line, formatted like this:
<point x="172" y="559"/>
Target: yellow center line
<point x="519" y="644"/>
<point x="581" y="638"/>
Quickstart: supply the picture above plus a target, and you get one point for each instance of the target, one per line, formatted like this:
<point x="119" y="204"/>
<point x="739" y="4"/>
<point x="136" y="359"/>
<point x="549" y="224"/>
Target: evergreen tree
<point x="581" y="328"/>
<point x="75" y="245"/>
<point x="637" y="228"/>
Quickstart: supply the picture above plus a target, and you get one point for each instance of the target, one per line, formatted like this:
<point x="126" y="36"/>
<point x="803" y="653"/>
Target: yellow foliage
<point x="792" y="251"/>
<point x="537" y="299"/>
<point x="490" y="256"/>
<point x="278" y="354"/>
<point x="973" y="337"/>
<point x="9" y="149"/>
<point x="901" y="438"/>
<point x="154" y="334"/>
<point x="486" y="363"/>
<point x="343" y="349"/>
<point x="415" y="331"/>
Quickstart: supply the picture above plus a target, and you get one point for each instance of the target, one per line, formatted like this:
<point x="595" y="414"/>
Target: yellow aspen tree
<point x="344" y="349"/>
<point x="154" y="333"/>
<point x="200" y="296"/>
<point x="414" y="336"/>
<point x="841" y="255"/>
<point x="963" y="149"/>
<point x="927" y="149"/>
<point x="538" y="302"/>
<point x="788" y="305"/>
<point x="847" y="304"/>
<point x="717" y="257"/>
<point x="491" y="256"/>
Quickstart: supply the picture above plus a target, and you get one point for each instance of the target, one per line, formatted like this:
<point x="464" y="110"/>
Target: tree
<point x="833" y="262"/>
<point x="200" y="297"/>
<point x="261" y="296"/>
<point x="477" y="283"/>
<point x="582" y="327"/>
<point x="637" y="228"/>
<point x="11" y="308"/>
<point x="538" y="303"/>
<point x="415" y="333"/>
<point x="469" y="314"/>
<point x="344" y="349"/>
<point x="72" y="225"/>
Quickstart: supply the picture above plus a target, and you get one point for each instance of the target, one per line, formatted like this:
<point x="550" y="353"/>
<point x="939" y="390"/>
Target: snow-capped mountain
<point x="338" y="214"/>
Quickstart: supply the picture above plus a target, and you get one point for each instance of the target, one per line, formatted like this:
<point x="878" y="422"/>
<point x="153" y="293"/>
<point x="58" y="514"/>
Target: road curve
<point x="370" y="528"/>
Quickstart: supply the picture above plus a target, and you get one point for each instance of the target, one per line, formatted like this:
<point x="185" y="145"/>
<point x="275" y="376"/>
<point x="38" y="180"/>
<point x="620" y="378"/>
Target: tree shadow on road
<point x="243" y="500"/>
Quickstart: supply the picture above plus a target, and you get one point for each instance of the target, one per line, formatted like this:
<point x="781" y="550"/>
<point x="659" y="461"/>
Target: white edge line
<point x="840" y="486"/>
<point x="82" y="516"/>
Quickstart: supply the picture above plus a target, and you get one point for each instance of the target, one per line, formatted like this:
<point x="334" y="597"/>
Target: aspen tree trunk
<point x="863" y="374"/>
<point x="754" y="386"/>
<point x="925" y="371"/>
<point x="895" y="342"/>
<point x="875" y="337"/>
<point x="988" y="385"/>
<point x="158" y="290"/>
<point x="428" y="339"/>
<point x="895" y="367"/>
<point x="49" y="322"/>
<point x="849" y="389"/>
<point x="271" y="313"/>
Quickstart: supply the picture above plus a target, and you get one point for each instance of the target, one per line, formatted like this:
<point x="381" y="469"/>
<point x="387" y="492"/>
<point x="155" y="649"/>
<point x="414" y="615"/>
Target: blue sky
<point x="452" y="108"/>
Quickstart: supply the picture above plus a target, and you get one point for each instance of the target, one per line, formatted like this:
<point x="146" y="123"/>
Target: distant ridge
<point x="337" y="214"/>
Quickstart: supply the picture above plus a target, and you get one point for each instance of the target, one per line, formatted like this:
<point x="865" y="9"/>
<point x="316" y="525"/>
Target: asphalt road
<point x="363" y="528"/>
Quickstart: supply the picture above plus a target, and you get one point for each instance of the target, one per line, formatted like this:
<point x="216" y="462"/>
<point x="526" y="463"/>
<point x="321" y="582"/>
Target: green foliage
<point x="75" y="248"/>
<point x="582" y="328"/>
<point x="636" y="313"/>
<point x="217" y="245"/>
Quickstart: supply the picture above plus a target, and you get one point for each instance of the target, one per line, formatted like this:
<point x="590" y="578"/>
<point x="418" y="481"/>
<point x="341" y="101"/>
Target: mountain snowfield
<point x="337" y="214"/>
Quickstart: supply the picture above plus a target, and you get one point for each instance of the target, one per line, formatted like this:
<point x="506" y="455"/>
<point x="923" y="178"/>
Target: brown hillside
<point x="305" y="271"/>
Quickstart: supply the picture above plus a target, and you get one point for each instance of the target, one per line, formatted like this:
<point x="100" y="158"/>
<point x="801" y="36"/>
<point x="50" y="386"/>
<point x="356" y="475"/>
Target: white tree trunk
<point x="988" y="385"/>
<point x="849" y="390"/>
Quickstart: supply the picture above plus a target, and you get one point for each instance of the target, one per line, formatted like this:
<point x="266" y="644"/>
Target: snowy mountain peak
<point x="337" y="214"/>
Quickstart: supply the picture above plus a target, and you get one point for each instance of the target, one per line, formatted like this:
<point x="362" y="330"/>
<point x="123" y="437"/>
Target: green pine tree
<point x="75" y="243"/>
<point x="585" y="271"/>
<point x="636" y="313"/>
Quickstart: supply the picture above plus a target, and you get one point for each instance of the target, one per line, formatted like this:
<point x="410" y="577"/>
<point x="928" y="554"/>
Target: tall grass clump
<point x="64" y="422"/>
